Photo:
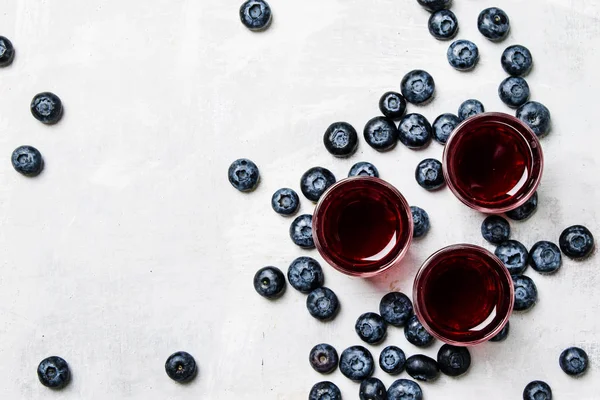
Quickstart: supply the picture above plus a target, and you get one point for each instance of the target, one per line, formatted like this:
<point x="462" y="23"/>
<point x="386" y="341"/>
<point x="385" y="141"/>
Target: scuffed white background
<point x="133" y="245"/>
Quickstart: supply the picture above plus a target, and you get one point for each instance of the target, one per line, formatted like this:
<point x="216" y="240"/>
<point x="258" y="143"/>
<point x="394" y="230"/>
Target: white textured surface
<point x="133" y="245"/>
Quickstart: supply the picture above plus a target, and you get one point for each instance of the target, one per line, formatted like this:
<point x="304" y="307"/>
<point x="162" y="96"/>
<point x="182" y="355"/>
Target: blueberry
<point x="255" y="15"/>
<point x="396" y="308"/>
<point x="470" y="108"/>
<point x="453" y="360"/>
<point x="7" y="52"/>
<point x="47" y="108"/>
<point x="500" y="336"/>
<point x="322" y="304"/>
<point x="392" y="360"/>
<point x="514" y="91"/>
<point x="537" y="390"/>
<point x="53" y="372"/>
<point x="370" y="327"/>
<point x="429" y="174"/>
<point x="536" y="116"/>
<point x="315" y="182"/>
<point x="414" y="131"/>
<point x="181" y="367"/>
<point x="576" y="241"/>
<point x="301" y="231"/>
<point x="435" y="5"/>
<point x="513" y="255"/>
<point x="305" y="274"/>
<point x="364" y="168"/>
<point x="381" y="133"/>
<point x="392" y="105"/>
<point x="525" y="210"/>
<point x="463" y="55"/>
<point x="516" y="60"/>
<point x="420" y="221"/>
<point x="422" y="368"/>
<point x="372" y="389"/>
<point x="341" y="139"/>
<point x="443" y="25"/>
<point x="243" y="175"/>
<point x="404" y="389"/>
<point x="27" y="160"/>
<point x="495" y="229"/>
<point x="416" y="334"/>
<point x="356" y="363"/>
<point x="269" y="282"/>
<point x="325" y="391"/>
<point x="417" y="86"/>
<point x="285" y="201"/>
<point x="443" y="126"/>
<point x="545" y="257"/>
<point x="525" y="292"/>
<point x="493" y="23"/>
<point x="323" y="358"/>
<point x="573" y="361"/>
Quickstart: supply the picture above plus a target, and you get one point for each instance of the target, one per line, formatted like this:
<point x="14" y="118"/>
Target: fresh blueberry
<point x="255" y="15"/>
<point x="513" y="255"/>
<point x="363" y="168"/>
<point x="356" y="363"/>
<point x="381" y="133"/>
<point x="537" y="390"/>
<point x="315" y="182"/>
<point x="392" y="360"/>
<point x="27" y="160"/>
<point x="7" y="52"/>
<point x="416" y="334"/>
<point x="325" y="391"/>
<point x="495" y="229"/>
<point x="470" y="108"/>
<point x="372" y="389"/>
<point x="435" y="5"/>
<point x="322" y="304"/>
<point x="525" y="210"/>
<point x="443" y="25"/>
<point x="285" y="201"/>
<point x="463" y="55"/>
<point x="493" y="23"/>
<point x="305" y="274"/>
<point x="392" y="105"/>
<point x="269" y="282"/>
<point x="181" y="366"/>
<point x="323" y="358"/>
<point x="576" y="241"/>
<point x="422" y="368"/>
<point x="417" y="86"/>
<point x="545" y="257"/>
<point x="396" y="308"/>
<point x="404" y="389"/>
<point x="243" y="175"/>
<point x="574" y="361"/>
<point x="47" y="108"/>
<point x="453" y="360"/>
<point x="341" y="139"/>
<point x="500" y="336"/>
<point x="443" y="126"/>
<point x="516" y="60"/>
<point x="514" y="91"/>
<point x="536" y="116"/>
<point x="53" y="372"/>
<point x="429" y="174"/>
<point x="371" y="327"/>
<point x="414" y="131"/>
<point x="525" y="292"/>
<point x="301" y="231"/>
<point x="420" y="221"/>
